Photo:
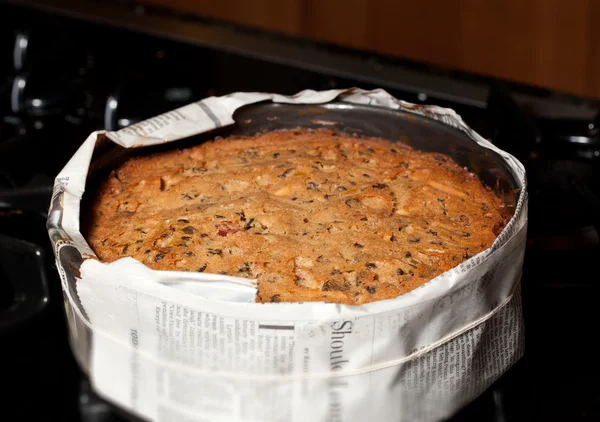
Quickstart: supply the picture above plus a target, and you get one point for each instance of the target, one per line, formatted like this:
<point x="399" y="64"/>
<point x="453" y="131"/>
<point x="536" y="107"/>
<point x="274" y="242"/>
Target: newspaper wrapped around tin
<point x="181" y="346"/>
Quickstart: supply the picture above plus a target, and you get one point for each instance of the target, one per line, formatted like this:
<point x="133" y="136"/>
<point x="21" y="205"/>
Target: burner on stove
<point x="35" y="359"/>
<point x="564" y="211"/>
<point x="579" y="139"/>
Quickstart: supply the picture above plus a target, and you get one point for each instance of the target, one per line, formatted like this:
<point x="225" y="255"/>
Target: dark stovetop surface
<point x="61" y="78"/>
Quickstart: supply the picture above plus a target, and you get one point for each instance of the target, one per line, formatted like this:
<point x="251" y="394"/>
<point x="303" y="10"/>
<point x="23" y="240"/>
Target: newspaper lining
<point x="196" y="347"/>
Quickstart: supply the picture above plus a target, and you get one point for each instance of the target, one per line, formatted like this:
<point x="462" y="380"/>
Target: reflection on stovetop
<point x="60" y="80"/>
<point x="94" y="409"/>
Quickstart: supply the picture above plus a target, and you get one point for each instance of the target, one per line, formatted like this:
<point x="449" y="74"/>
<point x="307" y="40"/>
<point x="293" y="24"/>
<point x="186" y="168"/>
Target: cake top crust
<point x="313" y="215"/>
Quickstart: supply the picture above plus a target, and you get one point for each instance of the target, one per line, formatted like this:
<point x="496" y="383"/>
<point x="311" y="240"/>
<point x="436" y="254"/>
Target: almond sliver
<point x="445" y="188"/>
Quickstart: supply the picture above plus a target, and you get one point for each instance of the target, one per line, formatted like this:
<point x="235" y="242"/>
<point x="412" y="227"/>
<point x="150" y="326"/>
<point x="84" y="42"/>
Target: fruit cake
<point x="312" y="215"/>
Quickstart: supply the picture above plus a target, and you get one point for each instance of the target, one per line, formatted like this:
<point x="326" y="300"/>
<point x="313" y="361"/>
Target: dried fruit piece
<point x="188" y="230"/>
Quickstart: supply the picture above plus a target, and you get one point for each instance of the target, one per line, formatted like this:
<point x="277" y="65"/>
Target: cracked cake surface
<point x="313" y="215"/>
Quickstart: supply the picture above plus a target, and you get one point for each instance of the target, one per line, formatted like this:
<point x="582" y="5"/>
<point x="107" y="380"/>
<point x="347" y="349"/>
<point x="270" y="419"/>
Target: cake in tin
<point x="313" y="215"/>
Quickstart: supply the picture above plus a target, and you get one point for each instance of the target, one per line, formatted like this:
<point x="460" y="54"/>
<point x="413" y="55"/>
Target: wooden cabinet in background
<point x="548" y="43"/>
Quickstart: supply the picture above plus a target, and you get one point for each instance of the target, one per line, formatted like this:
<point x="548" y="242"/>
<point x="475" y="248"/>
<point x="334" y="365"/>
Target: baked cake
<point x="313" y="215"/>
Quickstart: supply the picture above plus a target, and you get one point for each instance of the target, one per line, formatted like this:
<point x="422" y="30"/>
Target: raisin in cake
<point x="311" y="214"/>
